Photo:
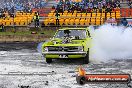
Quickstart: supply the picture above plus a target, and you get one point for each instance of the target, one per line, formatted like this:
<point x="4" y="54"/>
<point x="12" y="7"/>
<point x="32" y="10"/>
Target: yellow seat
<point x="20" y="13"/>
<point x="103" y="15"/>
<point x="64" y="16"/>
<point x="17" y="22"/>
<point x="88" y="15"/>
<point x="73" y="16"/>
<point x="113" y="15"/>
<point x="83" y="13"/>
<point x="75" y="11"/>
<point x="61" y="21"/>
<point x="52" y="11"/>
<point x="28" y="13"/>
<point x="98" y="14"/>
<point x="22" y="22"/>
<point x="69" y="15"/>
<point x="94" y="15"/>
<point x="87" y="21"/>
<point x="82" y="21"/>
<point x="7" y="22"/>
<point x="67" y="21"/>
<point x="30" y="19"/>
<point x="118" y="15"/>
<point x="1" y="20"/>
<point x="60" y="15"/>
<point x="77" y="21"/>
<point x="52" y="21"/>
<point x="46" y="21"/>
<point x="84" y="16"/>
<point x="78" y="15"/>
<point x="50" y="15"/>
<point x="97" y="21"/>
<point x="24" y="13"/>
<point x="65" y="11"/>
<point x="92" y="21"/>
<point x="72" y="21"/>
<point x="108" y="15"/>
<point x="12" y="23"/>
<point x="101" y="20"/>
<point x="26" y="23"/>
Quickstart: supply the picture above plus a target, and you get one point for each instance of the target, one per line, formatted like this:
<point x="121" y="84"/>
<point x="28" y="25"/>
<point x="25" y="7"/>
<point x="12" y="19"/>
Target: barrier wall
<point x="126" y="12"/>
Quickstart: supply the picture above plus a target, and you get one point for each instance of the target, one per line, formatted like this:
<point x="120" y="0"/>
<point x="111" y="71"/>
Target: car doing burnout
<point x="68" y="43"/>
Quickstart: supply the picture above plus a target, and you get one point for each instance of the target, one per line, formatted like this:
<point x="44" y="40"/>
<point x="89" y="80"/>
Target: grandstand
<point x="75" y="12"/>
<point x="72" y="12"/>
<point x="20" y="19"/>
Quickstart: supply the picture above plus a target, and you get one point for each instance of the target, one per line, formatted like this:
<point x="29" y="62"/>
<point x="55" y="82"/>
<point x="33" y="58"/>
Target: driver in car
<point x="67" y="36"/>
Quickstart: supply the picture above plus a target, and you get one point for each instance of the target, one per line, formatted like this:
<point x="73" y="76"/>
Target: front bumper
<point x="64" y="53"/>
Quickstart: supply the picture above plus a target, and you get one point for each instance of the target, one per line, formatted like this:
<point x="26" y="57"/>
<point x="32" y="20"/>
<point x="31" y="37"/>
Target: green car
<point x="68" y="43"/>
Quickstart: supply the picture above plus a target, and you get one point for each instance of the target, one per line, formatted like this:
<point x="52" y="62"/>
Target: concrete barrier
<point x="23" y="38"/>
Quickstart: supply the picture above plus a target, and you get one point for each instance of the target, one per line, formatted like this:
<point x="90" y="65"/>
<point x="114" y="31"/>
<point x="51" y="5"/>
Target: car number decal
<point x="63" y="56"/>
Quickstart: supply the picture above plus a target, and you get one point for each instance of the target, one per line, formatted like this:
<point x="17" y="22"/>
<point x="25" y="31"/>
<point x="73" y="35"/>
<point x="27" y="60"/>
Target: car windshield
<point x="81" y="34"/>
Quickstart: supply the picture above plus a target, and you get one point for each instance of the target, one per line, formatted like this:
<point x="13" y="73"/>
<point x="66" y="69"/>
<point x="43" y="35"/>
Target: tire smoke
<point x="111" y="42"/>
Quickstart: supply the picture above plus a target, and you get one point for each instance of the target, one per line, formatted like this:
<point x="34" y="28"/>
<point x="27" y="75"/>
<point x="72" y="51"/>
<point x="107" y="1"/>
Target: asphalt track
<point x="22" y="66"/>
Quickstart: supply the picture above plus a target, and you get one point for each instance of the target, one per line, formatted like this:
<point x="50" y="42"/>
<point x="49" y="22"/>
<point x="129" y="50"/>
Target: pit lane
<point x="21" y="64"/>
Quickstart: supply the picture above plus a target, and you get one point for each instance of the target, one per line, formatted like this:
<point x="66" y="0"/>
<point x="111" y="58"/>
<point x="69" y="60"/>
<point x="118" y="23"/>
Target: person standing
<point x="1" y="27"/>
<point x="124" y="22"/>
<point x="57" y="18"/>
<point x="36" y="19"/>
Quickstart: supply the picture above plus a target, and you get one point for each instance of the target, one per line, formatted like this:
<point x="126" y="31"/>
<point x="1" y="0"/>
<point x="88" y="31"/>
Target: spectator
<point x="57" y="18"/>
<point x="124" y="22"/>
<point x="108" y="9"/>
<point x="130" y="3"/>
<point x="36" y="19"/>
<point x="53" y="7"/>
<point x="1" y="27"/>
<point x="89" y="10"/>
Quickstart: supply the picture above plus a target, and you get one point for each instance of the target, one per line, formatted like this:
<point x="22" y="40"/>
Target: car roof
<point x="73" y="29"/>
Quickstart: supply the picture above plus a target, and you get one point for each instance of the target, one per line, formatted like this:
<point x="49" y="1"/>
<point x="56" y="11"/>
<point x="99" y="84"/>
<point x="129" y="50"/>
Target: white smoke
<point x="111" y="42"/>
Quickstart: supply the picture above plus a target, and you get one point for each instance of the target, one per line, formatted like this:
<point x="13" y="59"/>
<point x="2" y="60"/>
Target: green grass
<point x="46" y="32"/>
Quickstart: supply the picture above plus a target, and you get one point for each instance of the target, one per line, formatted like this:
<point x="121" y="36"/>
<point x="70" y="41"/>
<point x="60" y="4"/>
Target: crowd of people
<point x="87" y="5"/>
<point x="11" y="6"/>
<point x="22" y="5"/>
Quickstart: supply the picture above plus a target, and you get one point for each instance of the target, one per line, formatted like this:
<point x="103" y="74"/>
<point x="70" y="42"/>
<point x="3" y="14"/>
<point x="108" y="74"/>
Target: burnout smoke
<point x="111" y="42"/>
<point x="39" y="47"/>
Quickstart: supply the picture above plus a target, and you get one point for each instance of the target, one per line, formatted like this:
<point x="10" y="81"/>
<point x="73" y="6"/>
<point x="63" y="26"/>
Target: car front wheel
<point x="48" y="60"/>
<point x="86" y="58"/>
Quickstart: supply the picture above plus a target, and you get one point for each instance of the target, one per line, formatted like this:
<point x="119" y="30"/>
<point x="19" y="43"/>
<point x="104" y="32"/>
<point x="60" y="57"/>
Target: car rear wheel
<point x="48" y="60"/>
<point x="86" y="58"/>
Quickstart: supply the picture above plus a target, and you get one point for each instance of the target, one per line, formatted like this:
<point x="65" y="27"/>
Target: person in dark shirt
<point x="36" y="19"/>
<point x="57" y="18"/>
<point x="124" y="22"/>
<point x="89" y="10"/>
<point x="1" y="27"/>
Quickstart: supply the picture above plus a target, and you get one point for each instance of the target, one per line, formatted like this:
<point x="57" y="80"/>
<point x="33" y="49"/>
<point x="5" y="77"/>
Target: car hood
<point x="59" y="42"/>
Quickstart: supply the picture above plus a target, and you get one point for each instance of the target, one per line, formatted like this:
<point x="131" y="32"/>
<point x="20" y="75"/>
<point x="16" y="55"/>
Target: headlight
<point x="46" y="49"/>
<point x="80" y="48"/>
